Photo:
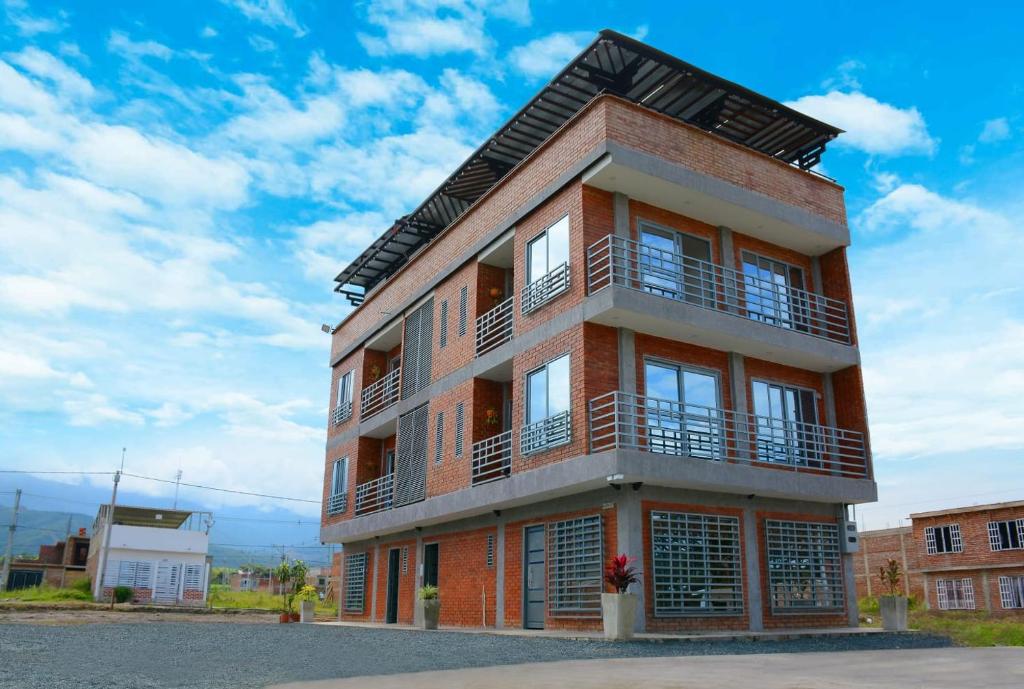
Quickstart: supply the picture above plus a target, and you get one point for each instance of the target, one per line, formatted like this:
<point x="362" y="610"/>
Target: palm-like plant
<point x="620" y="573"/>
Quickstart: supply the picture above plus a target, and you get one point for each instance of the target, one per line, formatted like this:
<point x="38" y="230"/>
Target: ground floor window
<point x="135" y="574"/>
<point x="955" y="594"/>
<point x="1011" y="592"/>
<point x="355" y="582"/>
<point x="804" y="565"/>
<point x="575" y="567"/>
<point x="696" y="563"/>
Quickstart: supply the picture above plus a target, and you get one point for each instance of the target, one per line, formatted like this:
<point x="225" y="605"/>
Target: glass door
<point x="675" y="265"/>
<point x="682" y="411"/>
<point x="787" y="419"/>
<point x="774" y="292"/>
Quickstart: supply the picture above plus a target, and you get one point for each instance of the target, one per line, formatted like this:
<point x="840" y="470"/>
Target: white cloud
<point x="39" y="63"/>
<point x="545" y="56"/>
<point x="995" y="130"/>
<point x="261" y="44"/>
<point x="208" y="32"/>
<point x="871" y="126"/>
<point x="324" y="247"/>
<point x="273" y="13"/>
<point x="29" y="24"/>
<point x="119" y="43"/>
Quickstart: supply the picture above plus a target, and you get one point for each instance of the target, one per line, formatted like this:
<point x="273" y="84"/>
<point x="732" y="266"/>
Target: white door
<point x="168" y="577"/>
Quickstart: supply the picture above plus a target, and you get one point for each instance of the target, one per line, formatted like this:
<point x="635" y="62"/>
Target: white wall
<point x="158" y="540"/>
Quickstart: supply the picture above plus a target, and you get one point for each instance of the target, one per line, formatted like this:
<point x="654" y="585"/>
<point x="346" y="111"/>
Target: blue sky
<point x="180" y="182"/>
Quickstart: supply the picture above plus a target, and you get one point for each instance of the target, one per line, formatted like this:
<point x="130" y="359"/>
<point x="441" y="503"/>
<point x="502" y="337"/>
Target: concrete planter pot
<point x="618" y="611"/>
<point x="894" y="613"/>
<point x="307" y="612"/>
<point x="431" y="612"/>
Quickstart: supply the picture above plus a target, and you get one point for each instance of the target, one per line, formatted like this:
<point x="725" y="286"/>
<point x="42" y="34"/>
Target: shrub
<point x="123" y="594"/>
<point x="428" y="592"/>
<point x="891" y="575"/>
<point x="83" y="585"/>
<point x="620" y="573"/>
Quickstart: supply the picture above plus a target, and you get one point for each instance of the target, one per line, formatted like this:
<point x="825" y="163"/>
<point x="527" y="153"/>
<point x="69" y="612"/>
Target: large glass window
<point x="547" y="266"/>
<point x="343" y="404"/>
<point x="955" y="594"/>
<point x="547" y="406"/>
<point x="675" y="265"/>
<point x="771" y="298"/>
<point x="787" y="418"/>
<point x="338" y="500"/>
<point x="804" y="565"/>
<point x="682" y="411"/>
<point x="696" y="563"/>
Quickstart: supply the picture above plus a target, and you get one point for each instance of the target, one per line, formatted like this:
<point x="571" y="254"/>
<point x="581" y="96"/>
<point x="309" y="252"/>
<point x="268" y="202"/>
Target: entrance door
<point x="533" y="573"/>
<point x="168" y="577"/>
<point x="430" y="555"/>
<point x="391" y="612"/>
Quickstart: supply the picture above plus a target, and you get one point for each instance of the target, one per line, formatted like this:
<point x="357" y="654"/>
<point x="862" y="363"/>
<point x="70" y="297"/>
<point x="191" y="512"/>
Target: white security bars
<point x="1006" y="535"/>
<point x="1011" y="592"/>
<point x="627" y="421"/>
<point x="943" y="539"/>
<point x="494" y="328"/>
<point x="627" y="263"/>
<point x="955" y="594"/>
<point x="380" y="395"/>
<point x="492" y="458"/>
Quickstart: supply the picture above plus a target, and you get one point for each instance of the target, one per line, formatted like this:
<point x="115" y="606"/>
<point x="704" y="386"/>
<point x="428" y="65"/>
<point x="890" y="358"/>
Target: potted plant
<point x="430" y="603"/>
<point x="283" y="572"/>
<point x="308" y="596"/>
<point x="618" y="609"/>
<point x="299" y="571"/>
<point x="892" y="606"/>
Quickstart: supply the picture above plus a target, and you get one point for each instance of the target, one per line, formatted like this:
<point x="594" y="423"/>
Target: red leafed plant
<point x="620" y="573"/>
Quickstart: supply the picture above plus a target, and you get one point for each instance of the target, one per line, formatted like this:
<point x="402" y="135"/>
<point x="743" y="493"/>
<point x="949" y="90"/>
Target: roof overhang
<point x="614" y="64"/>
<point x="125" y="515"/>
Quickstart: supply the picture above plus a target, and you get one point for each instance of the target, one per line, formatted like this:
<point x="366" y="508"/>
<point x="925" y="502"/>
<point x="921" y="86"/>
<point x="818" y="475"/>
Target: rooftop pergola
<point x="611" y="64"/>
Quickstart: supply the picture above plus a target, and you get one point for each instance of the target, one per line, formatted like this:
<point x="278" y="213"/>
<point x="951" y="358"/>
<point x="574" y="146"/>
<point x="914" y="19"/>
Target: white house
<point x="160" y="554"/>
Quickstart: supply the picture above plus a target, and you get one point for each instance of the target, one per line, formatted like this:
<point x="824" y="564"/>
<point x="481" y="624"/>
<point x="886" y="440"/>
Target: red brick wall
<point x="459" y="350"/>
<point x="851" y="405"/>
<point x="360" y="362"/>
<point x="876" y="549"/>
<point x="406" y="581"/>
<point x="682" y="353"/>
<point x="452" y="473"/>
<point x="464" y="579"/>
<point x="974" y="533"/>
<point x="639" y="211"/>
<point x="835" y="283"/>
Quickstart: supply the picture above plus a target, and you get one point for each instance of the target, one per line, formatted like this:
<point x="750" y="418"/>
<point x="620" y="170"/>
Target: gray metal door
<point x="534" y="578"/>
<point x="391" y="609"/>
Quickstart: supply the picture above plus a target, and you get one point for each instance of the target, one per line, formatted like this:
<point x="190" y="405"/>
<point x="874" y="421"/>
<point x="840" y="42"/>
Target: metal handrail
<point x="615" y="260"/>
<point x="623" y="420"/>
<point x="492" y="458"/>
<point x="544" y="289"/>
<point x="376" y="495"/>
<point x="380" y="395"/>
<point x="551" y="432"/>
<point x="494" y="328"/>
<point x="341" y="413"/>
<point x="337" y="504"/>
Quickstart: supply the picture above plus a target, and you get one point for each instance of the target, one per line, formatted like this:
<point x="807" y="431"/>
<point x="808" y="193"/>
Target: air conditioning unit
<point x="850" y="537"/>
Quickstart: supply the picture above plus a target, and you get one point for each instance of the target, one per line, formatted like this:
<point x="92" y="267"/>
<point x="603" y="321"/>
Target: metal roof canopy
<point x="614" y="64"/>
<point x="125" y="515"/>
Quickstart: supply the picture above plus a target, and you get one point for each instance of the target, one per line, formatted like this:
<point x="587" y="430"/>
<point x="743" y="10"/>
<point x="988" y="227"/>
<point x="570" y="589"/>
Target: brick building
<point x="60" y="564"/>
<point x="623" y="325"/>
<point x="966" y="558"/>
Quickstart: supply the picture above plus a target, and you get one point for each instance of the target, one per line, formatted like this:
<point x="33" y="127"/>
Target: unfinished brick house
<point x="965" y="558"/>
<point x="623" y="325"/>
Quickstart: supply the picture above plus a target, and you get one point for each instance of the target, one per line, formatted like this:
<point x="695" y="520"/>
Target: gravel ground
<point x="228" y="656"/>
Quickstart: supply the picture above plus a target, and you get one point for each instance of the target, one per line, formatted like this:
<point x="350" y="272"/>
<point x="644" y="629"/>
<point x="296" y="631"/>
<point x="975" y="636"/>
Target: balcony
<point x="544" y="289"/>
<point x="337" y="504"/>
<point x="492" y="458"/>
<point x="547" y="433"/>
<point x="620" y="420"/>
<point x="494" y="328"/>
<point x="341" y="413"/>
<point x="376" y="495"/>
<point x="380" y="395"/>
<point x="627" y="263"/>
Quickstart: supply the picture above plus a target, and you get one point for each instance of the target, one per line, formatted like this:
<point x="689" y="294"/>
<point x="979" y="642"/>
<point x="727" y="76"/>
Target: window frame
<point x="831" y="563"/>
<point x="931" y="539"/>
<point x="549" y="437"/>
<point x="1014" y="529"/>
<point x="962" y="590"/>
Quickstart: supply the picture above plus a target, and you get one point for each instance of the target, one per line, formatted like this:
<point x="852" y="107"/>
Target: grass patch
<point x="964" y="627"/>
<point x="223" y="597"/>
<point x="46" y="594"/>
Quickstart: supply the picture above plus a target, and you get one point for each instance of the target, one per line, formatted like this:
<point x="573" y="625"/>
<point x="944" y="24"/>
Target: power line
<point x="225" y="490"/>
<point x="270" y="545"/>
<point x="36" y="471"/>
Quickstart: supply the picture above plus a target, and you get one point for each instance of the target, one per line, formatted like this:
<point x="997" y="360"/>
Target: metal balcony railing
<point x="337" y="504"/>
<point x="376" y="495"/>
<point x="380" y="395"/>
<point x="623" y="420"/>
<point x="625" y="262"/>
<point x="341" y="413"/>
<point x="494" y="328"/>
<point x="492" y="458"/>
<point x="543" y="290"/>
<point x="550" y="432"/>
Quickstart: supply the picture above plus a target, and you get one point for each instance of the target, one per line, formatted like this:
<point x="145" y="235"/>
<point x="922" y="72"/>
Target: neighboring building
<point x="876" y="549"/>
<point x="623" y="325"/>
<point x="160" y="554"/>
<point x="253" y="580"/>
<point x="59" y="565"/>
<point x="965" y="558"/>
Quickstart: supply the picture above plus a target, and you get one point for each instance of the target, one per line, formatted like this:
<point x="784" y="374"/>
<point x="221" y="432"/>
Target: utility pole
<point x="64" y="556"/>
<point x="102" y="568"/>
<point x="177" y="480"/>
<point x="9" y="550"/>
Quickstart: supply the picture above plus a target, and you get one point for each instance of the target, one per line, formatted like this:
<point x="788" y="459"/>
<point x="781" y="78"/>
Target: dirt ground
<point x="17" y="614"/>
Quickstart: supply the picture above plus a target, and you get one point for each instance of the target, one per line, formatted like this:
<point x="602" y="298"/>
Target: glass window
<point x="943" y="539"/>
<point x="787" y="419"/>
<point x="548" y="390"/>
<point x="769" y="288"/>
<point x="673" y="264"/>
<point x="548" y="250"/>
<point x="1006" y="535"/>
<point x="682" y="411"/>
<point x="345" y="389"/>
<point x="339" y="477"/>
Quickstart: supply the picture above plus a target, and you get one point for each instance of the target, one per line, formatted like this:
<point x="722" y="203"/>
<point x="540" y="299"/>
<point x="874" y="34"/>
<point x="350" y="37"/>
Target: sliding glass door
<point x="682" y="411"/>
<point x="787" y="424"/>
<point x="675" y="265"/>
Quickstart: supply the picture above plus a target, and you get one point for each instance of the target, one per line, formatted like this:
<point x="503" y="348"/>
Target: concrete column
<point x="373" y="594"/>
<point x="752" y="575"/>
<point x="867" y="571"/>
<point x="906" y="572"/>
<point x="829" y="400"/>
<point x="738" y="391"/>
<point x="849" y="575"/>
<point x="620" y="211"/>
<point x="340" y="593"/>
<point x="418" y="576"/>
<point x="985" y="591"/>
<point x="629" y="537"/>
<point x="627" y="360"/>
<point x="924" y="583"/>
<point x="816" y="274"/>
<point x="499" y="565"/>
<point x="728" y="260"/>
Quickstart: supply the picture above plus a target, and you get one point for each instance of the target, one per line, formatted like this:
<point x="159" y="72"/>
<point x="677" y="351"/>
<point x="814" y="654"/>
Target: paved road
<point x="952" y="668"/>
<point x="229" y="656"/>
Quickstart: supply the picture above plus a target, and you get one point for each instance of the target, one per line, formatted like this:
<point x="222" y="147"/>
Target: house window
<point x="575" y="569"/>
<point x="774" y="292"/>
<point x="1011" y="592"/>
<point x="943" y="539"/>
<point x="804" y="566"/>
<point x="787" y="424"/>
<point x="337" y="502"/>
<point x="682" y="411"/>
<point x="955" y="594"/>
<point x="135" y="574"/>
<point x="547" y="407"/>
<point x="696" y="564"/>
<point x="355" y="582"/>
<point x="675" y="265"/>
<point x="343" y="405"/>
<point x="463" y="309"/>
<point x="405" y="559"/>
<point x="1006" y="535"/>
<point x="490" y="550"/>
<point x="192" y="580"/>
<point x="443" y="328"/>
<point x="547" y="265"/>
<point x="460" y="428"/>
<point x="439" y="437"/>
